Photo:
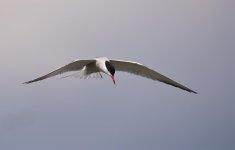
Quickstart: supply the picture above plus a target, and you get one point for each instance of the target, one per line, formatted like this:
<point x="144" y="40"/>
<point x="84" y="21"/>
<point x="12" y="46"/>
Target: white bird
<point x="96" y="66"/>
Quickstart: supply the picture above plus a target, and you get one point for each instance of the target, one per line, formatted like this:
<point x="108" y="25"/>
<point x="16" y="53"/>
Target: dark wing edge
<point x="73" y="66"/>
<point x="141" y="70"/>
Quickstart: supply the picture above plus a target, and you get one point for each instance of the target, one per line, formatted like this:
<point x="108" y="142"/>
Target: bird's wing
<point x="139" y="69"/>
<point x="73" y="66"/>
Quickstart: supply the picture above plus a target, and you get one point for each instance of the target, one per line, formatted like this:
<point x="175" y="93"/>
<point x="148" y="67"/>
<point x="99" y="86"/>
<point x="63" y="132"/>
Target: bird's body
<point x="96" y="66"/>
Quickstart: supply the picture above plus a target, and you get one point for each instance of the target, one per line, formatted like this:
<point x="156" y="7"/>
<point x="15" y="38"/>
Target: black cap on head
<point x="110" y="67"/>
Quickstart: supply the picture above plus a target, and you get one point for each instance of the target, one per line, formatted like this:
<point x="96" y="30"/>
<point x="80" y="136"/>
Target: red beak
<point x="113" y="79"/>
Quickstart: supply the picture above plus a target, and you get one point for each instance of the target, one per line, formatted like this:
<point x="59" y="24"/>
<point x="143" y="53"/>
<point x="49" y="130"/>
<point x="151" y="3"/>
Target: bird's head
<point x="111" y="70"/>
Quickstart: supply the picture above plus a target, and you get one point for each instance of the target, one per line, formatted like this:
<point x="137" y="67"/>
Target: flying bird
<point x="96" y="66"/>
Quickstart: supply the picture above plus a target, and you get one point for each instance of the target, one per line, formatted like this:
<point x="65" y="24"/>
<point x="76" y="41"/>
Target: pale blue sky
<point x="190" y="41"/>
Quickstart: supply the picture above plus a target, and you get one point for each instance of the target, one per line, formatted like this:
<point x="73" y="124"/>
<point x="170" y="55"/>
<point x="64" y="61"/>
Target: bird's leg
<point x="100" y="75"/>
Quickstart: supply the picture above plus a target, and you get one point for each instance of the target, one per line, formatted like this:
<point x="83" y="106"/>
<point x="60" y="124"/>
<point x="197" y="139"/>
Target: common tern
<point x="96" y="66"/>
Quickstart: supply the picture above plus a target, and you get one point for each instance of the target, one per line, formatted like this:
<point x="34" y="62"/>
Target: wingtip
<point x="28" y="82"/>
<point x="193" y="92"/>
<point x="25" y="82"/>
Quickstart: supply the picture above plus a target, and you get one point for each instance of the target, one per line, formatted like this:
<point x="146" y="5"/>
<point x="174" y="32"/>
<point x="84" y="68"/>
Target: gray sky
<point x="190" y="41"/>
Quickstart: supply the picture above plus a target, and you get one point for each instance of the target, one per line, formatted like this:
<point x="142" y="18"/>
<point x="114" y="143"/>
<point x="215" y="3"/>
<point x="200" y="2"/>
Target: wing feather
<point x="73" y="66"/>
<point x="141" y="70"/>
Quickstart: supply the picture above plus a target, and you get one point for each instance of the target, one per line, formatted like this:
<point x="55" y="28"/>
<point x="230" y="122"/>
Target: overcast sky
<point x="190" y="41"/>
